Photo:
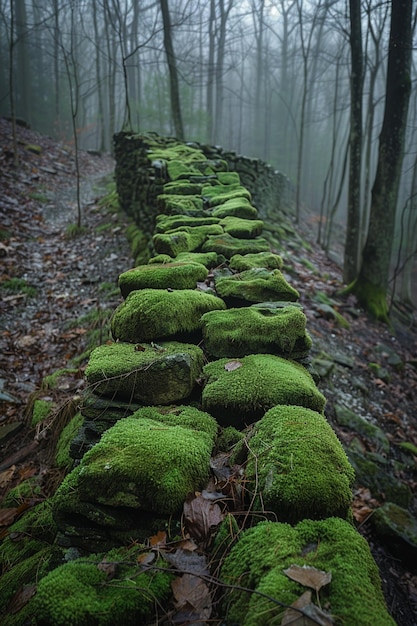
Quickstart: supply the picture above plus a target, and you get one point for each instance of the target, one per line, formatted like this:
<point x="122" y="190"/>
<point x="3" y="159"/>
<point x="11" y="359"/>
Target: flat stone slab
<point x="256" y="285"/>
<point x="174" y="275"/>
<point x="145" y="373"/>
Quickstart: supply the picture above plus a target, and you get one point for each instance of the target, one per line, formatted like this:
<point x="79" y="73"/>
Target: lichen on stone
<point x="240" y="392"/>
<point x="261" y="555"/>
<point x="298" y="466"/>
<point x="248" y="330"/>
<point x="152" y="314"/>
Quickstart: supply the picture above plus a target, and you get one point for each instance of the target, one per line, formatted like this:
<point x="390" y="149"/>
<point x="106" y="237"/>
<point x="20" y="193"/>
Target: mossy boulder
<point x="151" y="314"/>
<point x="228" y="246"/>
<point x="240" y="263"/>
<point x="102" y="590"/>
<point x="256" y="285"/>
<point x="214" y="195"/>
<point x="63" y="459"/>
<point x="298" y="466"/>
<point x="238" y="207"/>
<point x="348" y="418"/>
<point x="240" y="228"/>
<point x="147" y="464"/>
<point x="184" y="239"/>
<point x="171" y="204"/>
<point x="147" y="373"/>
<point x="183" y="188"/>
<point x="250" y="330"/>
<point x="397" y="528"/>
<point x="261" y="555"/>
<point x="240" y="392"/>
<point x="208" y="259"/>
<point x="166" y="223"/>
<point x="174" y="275"/>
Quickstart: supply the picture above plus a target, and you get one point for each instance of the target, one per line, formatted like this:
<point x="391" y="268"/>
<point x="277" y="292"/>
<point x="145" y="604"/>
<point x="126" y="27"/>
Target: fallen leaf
<point x="108" y="568"/>
<point x="232" y="365"/>
<point x="187" y="562"/>
<point x="159" y="540"/>
<point x="8" y="516"/>
<point x="21" y="598"/>
<point x="6" y="476"/>
<point x="311" y="614"/>
<point x="201" y="516"/>
<point x="191" y="592"/>
<point x="309" y="576"/>
<point x="146" y="559"/>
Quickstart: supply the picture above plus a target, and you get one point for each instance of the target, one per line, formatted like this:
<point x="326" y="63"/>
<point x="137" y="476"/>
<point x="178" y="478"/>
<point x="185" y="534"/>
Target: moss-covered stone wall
<point x="205" y="388"/>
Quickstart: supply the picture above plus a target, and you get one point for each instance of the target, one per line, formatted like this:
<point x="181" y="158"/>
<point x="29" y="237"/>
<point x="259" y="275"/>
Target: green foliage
<point x="19" y="285"/>
<point x="51" y="381"/>
<point x="73" y="231"/>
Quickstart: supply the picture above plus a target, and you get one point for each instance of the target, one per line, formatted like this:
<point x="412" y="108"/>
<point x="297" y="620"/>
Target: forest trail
<point x="58" y="291"/>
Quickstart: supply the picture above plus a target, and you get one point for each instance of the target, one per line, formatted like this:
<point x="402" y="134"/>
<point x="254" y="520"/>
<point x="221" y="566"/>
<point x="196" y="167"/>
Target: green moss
<point x="184" y="239"/>
<point x="150" y="374"/>
<point x="80" y="592"/>
<point x="372" y="298"/>
<point x="174" y="275"/>
<point x="228" y="246"/>
<point x="298" y="466"/>
<point x="250" y="330"/>
<point x="52" y="381"/>
<point x="151" y="314"/>
<point x="409" y="447"/>
<point x="28" y="489"/>
<point x="62" y="457"/>
<point x="219" y="194"/>
<point x="183" y="188"/>
<point x="19" y="285"/>
<point x="41" y="410"/>
<point x="238" y="207"/>
<point x="27" y="572"/>
<point x="166" y="223"/>
<point x="146" y="464"/>
<point x="228" y="438"/>
<point x="182" y="205"/>
<point x="268" y="260"/>
<point x="239" y="395"/>
<point x="186" y="416"/>
<point x="228" y="178"/>
<point x="240" y="228"/>
<point x="73" y="231"/>
<point x="258" y="559"/>
<point x="256" y="285"/>
<point x="34" y="531"/>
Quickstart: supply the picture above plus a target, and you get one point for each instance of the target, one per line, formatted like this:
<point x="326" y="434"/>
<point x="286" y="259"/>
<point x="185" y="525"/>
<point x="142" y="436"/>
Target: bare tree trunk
<point x="371" y="286"/>
<point x="352" y="250"/>
<point x="173" y="73"/>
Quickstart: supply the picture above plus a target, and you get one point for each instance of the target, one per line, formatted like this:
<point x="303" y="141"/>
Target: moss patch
<point x="258" y="559"/>
<point x="268" y="260"/>
<point x="228" y="246"/>
<point x="80" y="592"/>
<point x="62" y="456"/>
<point x="249" y="330"/>
<point x="239" y="395"/>
<point x="240" y="228"/>
<point x="238" y="207"/>
<point x="299" y="466"/>
<point x="162" y="276"/>
<point x="148" y="374"/>
<point x="151" y="314"/>
<point x="256" y="285"/>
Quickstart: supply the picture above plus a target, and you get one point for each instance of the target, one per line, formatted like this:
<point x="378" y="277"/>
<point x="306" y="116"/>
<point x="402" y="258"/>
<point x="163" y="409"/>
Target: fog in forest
<point x="270" y="79"/>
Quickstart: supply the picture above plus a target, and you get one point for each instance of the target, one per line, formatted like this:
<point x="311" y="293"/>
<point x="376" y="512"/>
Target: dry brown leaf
<point x="192" y="598"/>
<point x="108" y="568"/>
<point x="159" y="540"/>
<point x="311" y="614"/>
<point x="146" y="559"/>
<point x="309" y="576"/>
<point x="187" y="562"/>
<point x="8" y="516"/>
<point x="232" y="365"/>
<point x="6" y="476"/>
<point x="20" y="598"/>
<point x="201" y="516"/>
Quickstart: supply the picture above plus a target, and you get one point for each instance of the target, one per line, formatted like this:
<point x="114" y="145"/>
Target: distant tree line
<point x="316" y="87"/>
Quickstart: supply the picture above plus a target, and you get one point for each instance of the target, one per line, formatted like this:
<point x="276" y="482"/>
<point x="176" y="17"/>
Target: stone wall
<point x="203" y="420"/>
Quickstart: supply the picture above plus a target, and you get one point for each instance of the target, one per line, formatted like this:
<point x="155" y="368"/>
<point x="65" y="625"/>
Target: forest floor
<point x="56" y="288"/>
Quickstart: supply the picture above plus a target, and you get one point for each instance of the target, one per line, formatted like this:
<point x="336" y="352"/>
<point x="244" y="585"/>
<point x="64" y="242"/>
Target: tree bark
<point x="173" y="73"/>
<point x="352" y="250"/>
<point x="371" y="286"/>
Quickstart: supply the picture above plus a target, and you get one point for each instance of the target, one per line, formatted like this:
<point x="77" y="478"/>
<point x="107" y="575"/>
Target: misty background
<point x="270" y="79"/>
